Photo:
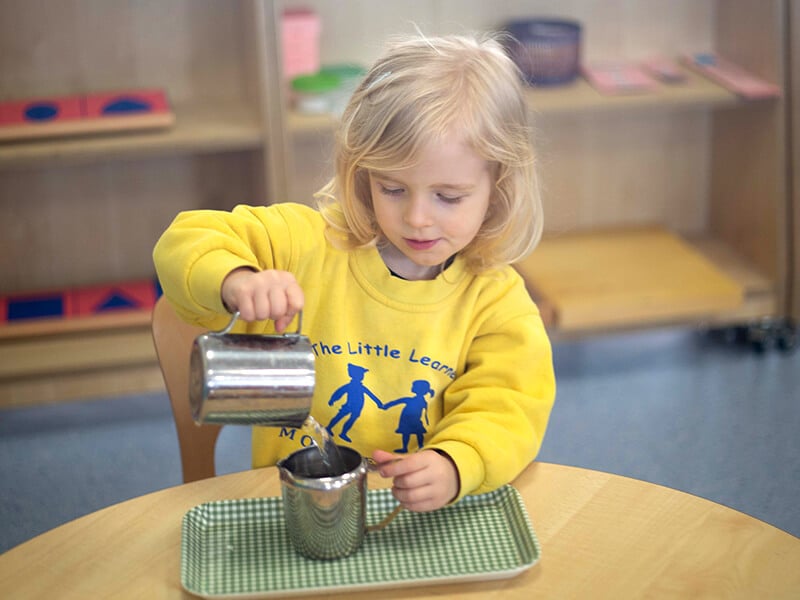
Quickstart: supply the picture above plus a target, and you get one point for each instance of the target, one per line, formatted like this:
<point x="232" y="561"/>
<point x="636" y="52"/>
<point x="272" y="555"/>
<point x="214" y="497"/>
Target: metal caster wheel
<point x="760" y="337"/>
<point x="787" y="338"/>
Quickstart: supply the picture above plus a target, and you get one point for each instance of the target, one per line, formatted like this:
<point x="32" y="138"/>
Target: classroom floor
<point x="670" y="406"/>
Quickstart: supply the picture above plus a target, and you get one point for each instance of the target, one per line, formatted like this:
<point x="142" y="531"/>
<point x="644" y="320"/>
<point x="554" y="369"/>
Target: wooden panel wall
<point x="749" y="194"/>
<point x="354" y="30"/>
<point x="652" y="166"/>
<point x="78" y="225"/>
<point x="193" y="48"/>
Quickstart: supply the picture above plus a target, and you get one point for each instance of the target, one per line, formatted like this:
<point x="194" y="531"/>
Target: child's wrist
<point x="455" y="472"/>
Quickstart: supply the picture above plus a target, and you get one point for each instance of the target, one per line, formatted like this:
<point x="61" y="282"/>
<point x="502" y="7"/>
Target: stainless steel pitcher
<point x="250" y="379"/>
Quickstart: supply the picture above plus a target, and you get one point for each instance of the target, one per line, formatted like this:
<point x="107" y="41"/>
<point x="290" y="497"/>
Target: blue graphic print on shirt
<point x="416" y="407"/>
<point x="354" y="392"/>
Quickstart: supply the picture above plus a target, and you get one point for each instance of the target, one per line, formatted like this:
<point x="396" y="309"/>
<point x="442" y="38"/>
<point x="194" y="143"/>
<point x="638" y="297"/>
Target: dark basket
<point x="547" y="51"/>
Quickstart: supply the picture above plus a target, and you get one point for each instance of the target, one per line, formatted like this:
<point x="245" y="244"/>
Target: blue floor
<point x="671" y="407"/>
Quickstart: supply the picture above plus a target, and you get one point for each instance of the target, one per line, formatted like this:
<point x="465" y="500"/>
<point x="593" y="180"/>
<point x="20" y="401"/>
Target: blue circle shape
<point x="43" y="111"/>
<point x="126" y="105"/>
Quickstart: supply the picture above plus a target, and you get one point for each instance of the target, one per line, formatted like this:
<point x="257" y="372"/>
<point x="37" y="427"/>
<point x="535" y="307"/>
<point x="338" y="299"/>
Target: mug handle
<point x="372" y="466"/>
<point x="235" y="316"/>
<point x="386" y="520"/>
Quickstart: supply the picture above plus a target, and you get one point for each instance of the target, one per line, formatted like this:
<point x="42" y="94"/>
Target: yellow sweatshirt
<point x="461" y="363"/>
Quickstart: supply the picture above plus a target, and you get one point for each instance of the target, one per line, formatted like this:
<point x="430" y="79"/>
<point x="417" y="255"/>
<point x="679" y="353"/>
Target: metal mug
<point x="251" y="379"/>
<point x="325" y="514"/>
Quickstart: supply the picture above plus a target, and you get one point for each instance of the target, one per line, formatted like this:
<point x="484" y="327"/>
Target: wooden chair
<point x="173" y="341"/>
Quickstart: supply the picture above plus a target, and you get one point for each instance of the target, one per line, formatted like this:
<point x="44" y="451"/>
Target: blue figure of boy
<point x="354" y="390"/>
<point x="416" y="407"/>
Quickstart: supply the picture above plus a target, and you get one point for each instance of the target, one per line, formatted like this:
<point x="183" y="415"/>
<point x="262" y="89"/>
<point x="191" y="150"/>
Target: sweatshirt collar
<point x="373" y="275"/>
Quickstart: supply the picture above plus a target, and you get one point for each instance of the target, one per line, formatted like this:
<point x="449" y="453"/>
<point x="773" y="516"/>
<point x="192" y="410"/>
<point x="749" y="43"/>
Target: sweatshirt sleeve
<point x="497" y="411"/>
<point x="201" y="247"/>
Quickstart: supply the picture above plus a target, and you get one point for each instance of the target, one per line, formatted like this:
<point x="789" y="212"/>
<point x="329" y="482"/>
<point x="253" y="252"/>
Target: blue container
<point x="547" y="51"/>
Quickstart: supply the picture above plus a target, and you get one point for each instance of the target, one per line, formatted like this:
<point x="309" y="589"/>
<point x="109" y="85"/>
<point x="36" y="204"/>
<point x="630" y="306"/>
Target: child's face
<point x="432" y="210"/>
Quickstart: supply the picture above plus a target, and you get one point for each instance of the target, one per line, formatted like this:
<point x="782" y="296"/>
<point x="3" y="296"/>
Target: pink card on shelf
<point x="664" y="69"/>
<point x="731" y="76"/>
<point x="618" y="78"/>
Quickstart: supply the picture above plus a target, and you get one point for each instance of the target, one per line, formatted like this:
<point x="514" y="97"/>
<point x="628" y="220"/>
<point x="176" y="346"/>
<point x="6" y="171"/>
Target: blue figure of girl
<point x="416" y="407"/>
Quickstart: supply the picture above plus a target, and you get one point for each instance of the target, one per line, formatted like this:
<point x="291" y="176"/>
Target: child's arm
<point x="200" y="249"/>
<point x="496" y="412"/>
<point x="262" y="295"/>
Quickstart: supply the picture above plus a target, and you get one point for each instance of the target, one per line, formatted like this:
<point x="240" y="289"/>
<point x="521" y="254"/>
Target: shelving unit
<point x="87" y="210"/>
<point x="587" y="293"/>
<point x="793" y="222"/>
<point x="691" y="160"/>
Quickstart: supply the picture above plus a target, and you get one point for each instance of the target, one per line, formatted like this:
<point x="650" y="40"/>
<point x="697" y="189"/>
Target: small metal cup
<point x="326" y="515"/>
<point x="251" y="379"/>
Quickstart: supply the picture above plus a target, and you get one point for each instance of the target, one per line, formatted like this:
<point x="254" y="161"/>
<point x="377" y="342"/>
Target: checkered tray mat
<point x="240" y="548"/>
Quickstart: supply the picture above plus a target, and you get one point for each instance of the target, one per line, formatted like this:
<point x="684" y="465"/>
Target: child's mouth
<point x="420" y="244"/>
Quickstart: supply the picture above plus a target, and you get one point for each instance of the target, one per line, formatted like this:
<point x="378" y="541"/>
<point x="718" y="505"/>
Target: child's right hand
<point x="262" y="295"/>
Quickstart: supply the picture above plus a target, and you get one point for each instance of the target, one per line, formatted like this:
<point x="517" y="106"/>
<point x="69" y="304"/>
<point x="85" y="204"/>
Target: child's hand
<point x="261" y="295"/>
<point x="422" y="482"/>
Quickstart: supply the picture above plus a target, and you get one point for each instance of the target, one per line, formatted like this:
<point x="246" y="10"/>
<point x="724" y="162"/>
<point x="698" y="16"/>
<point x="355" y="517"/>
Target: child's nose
<point x="418" y="212"/>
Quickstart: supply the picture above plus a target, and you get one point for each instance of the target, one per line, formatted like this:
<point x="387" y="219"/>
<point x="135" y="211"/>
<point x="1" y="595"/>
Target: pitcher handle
<point x="235" y="316"/>
<point x="229" y="326"/>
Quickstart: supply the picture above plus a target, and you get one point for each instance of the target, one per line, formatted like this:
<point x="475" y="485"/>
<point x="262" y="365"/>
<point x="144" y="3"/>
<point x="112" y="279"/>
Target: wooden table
<point x="602" y="536"/>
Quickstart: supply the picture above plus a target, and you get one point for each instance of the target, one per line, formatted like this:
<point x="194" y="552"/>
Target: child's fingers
<point x="246" y="308"/>
<point x="389" y="465"/>
<point x="283" y="322"/>
<point x="424" y="481"/>
<point x="420" y="499"/>
<point x="295" y="297"/>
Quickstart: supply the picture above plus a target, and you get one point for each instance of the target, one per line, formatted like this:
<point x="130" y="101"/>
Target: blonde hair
<point x="420" y="90"/>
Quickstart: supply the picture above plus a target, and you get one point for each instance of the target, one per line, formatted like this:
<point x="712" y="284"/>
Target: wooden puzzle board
<point x="84" y="114"/>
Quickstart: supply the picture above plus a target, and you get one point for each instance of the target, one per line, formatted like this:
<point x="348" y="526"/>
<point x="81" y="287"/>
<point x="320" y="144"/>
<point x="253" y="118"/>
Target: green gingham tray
<point x="240" y="548"/>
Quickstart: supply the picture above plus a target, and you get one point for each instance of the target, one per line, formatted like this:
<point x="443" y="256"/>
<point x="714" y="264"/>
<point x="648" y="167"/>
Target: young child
<point x="402" y="274"/>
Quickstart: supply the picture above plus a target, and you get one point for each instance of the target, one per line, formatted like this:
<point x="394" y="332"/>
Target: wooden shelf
<point x="620" y="278"/>
<point x="51" y="326"/>
<point x="215" y="128"/>
<point x="54" y="360"/>
<point x="580" y="97"/>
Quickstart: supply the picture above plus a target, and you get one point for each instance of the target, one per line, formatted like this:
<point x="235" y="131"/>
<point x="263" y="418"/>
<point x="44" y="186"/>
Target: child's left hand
<point x="423" y="481"/>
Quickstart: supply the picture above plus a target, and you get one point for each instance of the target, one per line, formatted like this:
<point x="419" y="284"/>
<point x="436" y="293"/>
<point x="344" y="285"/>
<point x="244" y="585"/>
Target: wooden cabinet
<point x="86" y="210"/>
<point x="661" y="208"/>
<point x="693" y="161"/>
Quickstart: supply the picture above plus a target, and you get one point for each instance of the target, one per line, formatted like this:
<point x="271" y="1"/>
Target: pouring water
<point x="328" y="450"/>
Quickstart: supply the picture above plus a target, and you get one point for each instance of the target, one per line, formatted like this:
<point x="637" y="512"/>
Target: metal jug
<point x="326" y="514"/>
<point x="249" y="379"/>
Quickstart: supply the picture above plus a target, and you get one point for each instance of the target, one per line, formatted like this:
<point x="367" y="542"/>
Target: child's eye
<point x="391" y="191"/>
<point x="449" y="199"/>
